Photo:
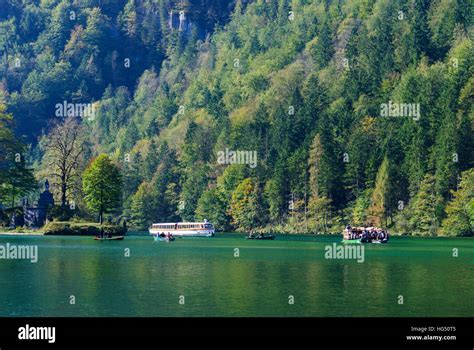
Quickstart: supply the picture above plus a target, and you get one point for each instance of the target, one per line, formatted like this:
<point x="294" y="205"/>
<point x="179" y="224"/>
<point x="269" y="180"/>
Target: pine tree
<point x="8" y="141"/>
<point x="320" y="211"/>
<point x="212" y="207"/>
<point x="16" y="178"/>
<point x="379" y="207"/>
<point x="424" y="208"/>
<point x="324" y="49"/>
<point x="446" y="156"/>
<point x="166" y="188"/>
<point x="129" y="19"/>
<point x="274" y="200"/>
<point x="133" y="173"/>
<point x="361" y="208"/>
<point x="150" y="27"/>
<point x="460" y="211"/>
<point x="314" y="100"/>
<point x="151" y="160"/>
<point x="314" y="164"/>
<point x="193" y="184"/>
<point x="19" y="180"/>
<point x="142" y="206"/>
<point x="319" y="203"/>
<point x="420" y="26"/>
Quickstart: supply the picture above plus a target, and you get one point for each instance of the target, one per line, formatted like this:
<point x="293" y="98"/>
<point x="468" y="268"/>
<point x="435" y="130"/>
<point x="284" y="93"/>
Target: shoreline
<point x="21" y="233"/>
<point x="144" y="233"/>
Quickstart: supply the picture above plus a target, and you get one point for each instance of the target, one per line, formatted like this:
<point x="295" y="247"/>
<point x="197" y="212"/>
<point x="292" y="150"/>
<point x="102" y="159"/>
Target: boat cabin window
<point x="182" y="226"/>
<point x="163" y="227"/>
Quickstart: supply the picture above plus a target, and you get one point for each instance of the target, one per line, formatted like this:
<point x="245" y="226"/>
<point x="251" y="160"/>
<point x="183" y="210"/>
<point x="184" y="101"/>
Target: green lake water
<point x="259" y="282"/>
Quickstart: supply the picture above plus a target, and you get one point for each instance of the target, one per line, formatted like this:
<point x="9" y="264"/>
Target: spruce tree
<point x="379" y="207"/>
<point x="324" y="49"/>
<point x="142" y="206"/>
<point x="314" y="164"/>
<point x="460" y="210"/>
<point x="212" y="207"/>
<point x="424" y="208"/>
<point x="151" y="160"/>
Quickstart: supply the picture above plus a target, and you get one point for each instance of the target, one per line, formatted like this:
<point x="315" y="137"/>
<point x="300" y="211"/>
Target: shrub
<point x="81" y="229"/>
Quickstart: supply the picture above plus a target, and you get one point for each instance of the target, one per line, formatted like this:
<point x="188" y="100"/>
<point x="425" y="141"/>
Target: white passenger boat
<point x="184" y="229"/>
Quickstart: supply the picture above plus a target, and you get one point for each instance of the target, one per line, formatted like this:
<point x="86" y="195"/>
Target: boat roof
<point x="370" y="228"/>
<point x="187" y="223"/>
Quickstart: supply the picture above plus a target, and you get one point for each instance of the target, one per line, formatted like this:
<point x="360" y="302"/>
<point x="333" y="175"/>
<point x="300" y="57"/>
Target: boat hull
<point x="362" y="240"/>
<point x="351" y="241"/>
<point x="118" y="238"/>
<point x="163" y="239"/>
<point x="262" y="238"/>
<point x="383" y="241"/>
<point x="183" y="233"/>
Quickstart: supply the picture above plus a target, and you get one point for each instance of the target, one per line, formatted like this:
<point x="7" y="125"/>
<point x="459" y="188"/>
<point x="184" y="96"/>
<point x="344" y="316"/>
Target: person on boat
<point x="364" y="235"/>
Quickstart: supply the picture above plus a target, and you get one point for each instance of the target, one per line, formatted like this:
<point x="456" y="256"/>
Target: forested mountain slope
<point x="346" y="111"/>
<point x="55" y="50"/>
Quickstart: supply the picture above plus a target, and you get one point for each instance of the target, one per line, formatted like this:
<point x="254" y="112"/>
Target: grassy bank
<point x="299" y="229"/>
<point x="82" y="229"/>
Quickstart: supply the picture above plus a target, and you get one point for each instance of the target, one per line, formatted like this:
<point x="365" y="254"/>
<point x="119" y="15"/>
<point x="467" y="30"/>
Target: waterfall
<point x="182" y="19"/>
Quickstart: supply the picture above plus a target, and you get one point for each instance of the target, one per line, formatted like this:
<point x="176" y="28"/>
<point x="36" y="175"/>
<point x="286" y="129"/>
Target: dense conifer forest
<point x="297" y="116"/>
